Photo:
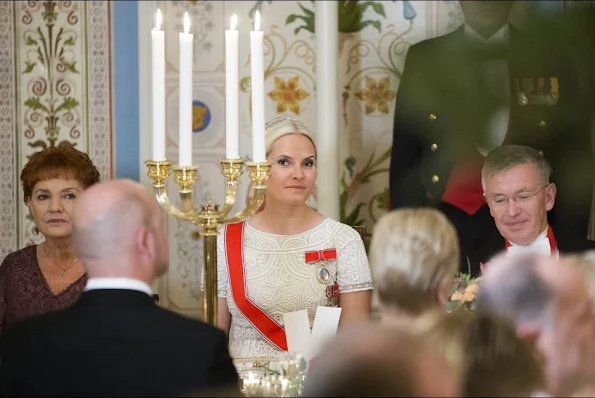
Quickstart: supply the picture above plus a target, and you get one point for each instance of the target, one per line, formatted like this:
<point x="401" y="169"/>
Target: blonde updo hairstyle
<point x="284" y="125"/>
<point x="414" y="253"/>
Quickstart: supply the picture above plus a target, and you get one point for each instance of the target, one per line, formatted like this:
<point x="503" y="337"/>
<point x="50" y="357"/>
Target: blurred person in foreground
<point x="549" y="303"/>
<point x="115" y="341"/>
<point x="586" y="261"/>
<point x="415" y="256"/>
<point x="375" y="361"/>
<point x="48" y="276"/>
<point x="496" y="86"/>
<point x="485" y="349"/>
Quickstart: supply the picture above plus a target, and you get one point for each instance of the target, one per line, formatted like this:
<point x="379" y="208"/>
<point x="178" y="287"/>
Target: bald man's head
<point x="117" y="229"/>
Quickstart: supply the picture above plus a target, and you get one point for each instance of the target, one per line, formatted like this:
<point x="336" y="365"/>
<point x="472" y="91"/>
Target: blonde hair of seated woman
<point x="414" y="257"/>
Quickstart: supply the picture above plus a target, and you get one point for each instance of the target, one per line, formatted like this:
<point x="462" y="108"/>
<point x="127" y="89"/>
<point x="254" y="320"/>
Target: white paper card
<point x="325" y="327"/>
<point x="297" y="331"/>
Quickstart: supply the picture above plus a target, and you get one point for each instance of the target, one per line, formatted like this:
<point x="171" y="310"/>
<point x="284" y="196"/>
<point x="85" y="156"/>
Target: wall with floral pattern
<point x="373" y="40"/>
<point x="55" y="86"/>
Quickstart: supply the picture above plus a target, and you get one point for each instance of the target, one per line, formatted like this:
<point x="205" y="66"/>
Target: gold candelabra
<point x="209" y="217"/>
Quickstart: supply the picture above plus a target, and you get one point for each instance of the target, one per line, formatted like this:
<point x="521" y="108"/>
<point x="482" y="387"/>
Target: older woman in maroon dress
<point x="49" y="276"/>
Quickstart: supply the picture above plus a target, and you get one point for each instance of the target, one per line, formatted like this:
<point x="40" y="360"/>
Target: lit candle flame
<point x="257" y="21"/>
<point x="234" y="22"/>
<point x="158" y="19"/>
<point x="186" y="23"/>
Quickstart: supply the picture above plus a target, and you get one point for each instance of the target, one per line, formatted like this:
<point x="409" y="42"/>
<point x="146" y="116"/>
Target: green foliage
<point x="68" y="104"/>
<point x="307" y="18"/>
<point x="351" y="16"/>
<point x="30" y="41"/>
<point x="71" y="66"/>
<point x="29" y="67"/>
<point x="245" y="84"/>
<point x="35" y="104"/>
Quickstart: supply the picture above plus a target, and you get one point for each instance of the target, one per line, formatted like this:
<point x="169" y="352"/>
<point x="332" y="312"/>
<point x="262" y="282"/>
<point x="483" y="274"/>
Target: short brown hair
<point x="62" y="161"/>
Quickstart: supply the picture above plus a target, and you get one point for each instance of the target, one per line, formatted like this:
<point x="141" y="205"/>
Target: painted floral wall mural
<point x="374" y="37"/>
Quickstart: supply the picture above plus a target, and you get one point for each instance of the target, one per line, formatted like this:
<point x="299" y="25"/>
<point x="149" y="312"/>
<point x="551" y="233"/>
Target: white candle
<point x="232" y="131"/>
<point x="158" y="88"/>
<point x="185" y="133"/>
<point x="257" y="85"/>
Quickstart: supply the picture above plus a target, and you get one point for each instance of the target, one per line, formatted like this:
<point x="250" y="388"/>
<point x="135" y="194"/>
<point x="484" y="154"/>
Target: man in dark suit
<point x="115" y="341"/>
<point x="519" y="194"/>
<point x="467" y="92"/>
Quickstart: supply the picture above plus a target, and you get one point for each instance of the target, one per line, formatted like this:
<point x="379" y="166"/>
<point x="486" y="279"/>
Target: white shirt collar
<point x="501" y="36"/>
<point x="118" y="283"/>
<point x="541" y="245"/>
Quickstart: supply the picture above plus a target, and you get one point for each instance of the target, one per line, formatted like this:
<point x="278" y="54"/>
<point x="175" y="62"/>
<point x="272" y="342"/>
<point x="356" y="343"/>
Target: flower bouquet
<point x="463" y="293"/>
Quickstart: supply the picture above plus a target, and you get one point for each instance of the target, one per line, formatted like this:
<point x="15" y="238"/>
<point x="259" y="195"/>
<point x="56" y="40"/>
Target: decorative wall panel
<point x="371" y="56"/>
<point x="55" y="62"/>
<point x="374" y="37"/>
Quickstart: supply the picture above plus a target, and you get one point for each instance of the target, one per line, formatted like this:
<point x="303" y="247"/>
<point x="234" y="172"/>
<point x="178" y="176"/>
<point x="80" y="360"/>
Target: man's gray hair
<point x="524" y="298"/>
<point x="507" y="156"/>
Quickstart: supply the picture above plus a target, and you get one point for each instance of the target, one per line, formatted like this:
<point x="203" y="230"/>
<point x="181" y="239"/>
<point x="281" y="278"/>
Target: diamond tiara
<point x="296" y="122"/>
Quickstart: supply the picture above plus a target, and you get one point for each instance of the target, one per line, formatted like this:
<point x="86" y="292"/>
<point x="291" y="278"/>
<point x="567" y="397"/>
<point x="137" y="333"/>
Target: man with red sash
<point x="518" y="191"/>
<point x="485" y="85"/>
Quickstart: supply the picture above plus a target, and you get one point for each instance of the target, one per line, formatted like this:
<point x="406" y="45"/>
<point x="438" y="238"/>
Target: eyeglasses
<point x="520" y="198"/>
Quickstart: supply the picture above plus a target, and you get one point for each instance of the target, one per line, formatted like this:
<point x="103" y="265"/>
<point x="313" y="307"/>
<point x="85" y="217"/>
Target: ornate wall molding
<point x="8" y="180"/>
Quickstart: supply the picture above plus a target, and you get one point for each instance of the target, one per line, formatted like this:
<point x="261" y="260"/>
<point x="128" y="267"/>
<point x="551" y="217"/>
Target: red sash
<point x="267" y="326"/>
<point x="550" y="237"/>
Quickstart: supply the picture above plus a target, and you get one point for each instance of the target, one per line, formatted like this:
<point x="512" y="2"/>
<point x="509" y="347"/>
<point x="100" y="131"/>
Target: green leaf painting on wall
<point x="351" y="16"/>
<point x="50" y="63"/>
<point x="353" y="181"/>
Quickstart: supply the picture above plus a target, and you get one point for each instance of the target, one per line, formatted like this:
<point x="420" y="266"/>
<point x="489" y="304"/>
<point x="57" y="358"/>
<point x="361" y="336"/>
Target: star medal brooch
<point x="320" y="258"/>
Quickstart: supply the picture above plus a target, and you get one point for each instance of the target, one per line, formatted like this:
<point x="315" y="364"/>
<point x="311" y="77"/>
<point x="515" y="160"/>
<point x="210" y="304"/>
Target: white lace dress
<point x="278" y="279"/>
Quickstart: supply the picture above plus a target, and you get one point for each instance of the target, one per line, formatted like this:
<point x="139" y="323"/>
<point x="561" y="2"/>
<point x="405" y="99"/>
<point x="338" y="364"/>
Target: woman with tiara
<point x="287" y="257"/>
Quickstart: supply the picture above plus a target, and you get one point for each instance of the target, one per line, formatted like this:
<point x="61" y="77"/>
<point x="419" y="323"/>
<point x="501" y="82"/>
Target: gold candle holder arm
<point x="185" y="177"/>
<point x="159" y="171"/>
<point x="232" y="170"/>
<point x="259" y="174"/>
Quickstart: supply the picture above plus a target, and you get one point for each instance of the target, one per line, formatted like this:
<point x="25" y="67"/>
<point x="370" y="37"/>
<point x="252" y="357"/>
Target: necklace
<point x="53" y="262"/>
